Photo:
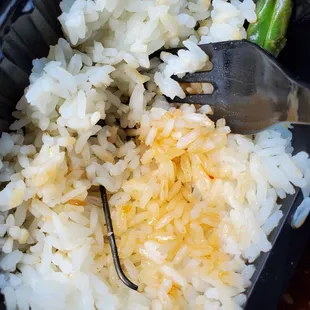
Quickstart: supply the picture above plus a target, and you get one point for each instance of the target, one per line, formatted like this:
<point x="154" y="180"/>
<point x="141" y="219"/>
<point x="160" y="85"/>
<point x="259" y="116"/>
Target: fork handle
<point x="299" y="104"/>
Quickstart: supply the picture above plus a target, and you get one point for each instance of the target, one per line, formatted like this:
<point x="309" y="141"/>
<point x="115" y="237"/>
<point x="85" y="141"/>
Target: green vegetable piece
<point x="275" y="39"/>
<point x="257" y="32"/>
<point x="269" y="31"/>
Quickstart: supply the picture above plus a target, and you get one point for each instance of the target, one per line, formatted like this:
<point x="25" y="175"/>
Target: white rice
<point x="192" y="204"/>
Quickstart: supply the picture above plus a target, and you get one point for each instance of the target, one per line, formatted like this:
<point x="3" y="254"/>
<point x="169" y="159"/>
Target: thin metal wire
<point x="112" y="241"/>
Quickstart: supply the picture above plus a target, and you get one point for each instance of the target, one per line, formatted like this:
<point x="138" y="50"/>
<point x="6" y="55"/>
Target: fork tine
<point x="198" y="77"/>
<point x="207" y="48"/>
<point x="203" y="99"/>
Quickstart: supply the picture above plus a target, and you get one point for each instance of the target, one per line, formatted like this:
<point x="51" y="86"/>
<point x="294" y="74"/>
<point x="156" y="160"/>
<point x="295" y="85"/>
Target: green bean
<point x="257" y="32"/>
<point x="269" y="31"/>
<point x="276" y="36"/>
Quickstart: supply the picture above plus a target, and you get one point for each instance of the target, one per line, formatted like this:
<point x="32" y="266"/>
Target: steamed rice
<point x="192" y="204"/>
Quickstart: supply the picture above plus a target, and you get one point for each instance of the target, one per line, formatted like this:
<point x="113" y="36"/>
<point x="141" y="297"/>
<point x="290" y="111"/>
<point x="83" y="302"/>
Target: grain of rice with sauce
<point x="192" y="204"/>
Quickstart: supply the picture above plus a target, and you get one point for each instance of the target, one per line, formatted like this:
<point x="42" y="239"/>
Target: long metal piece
<point x="117" y="264"/>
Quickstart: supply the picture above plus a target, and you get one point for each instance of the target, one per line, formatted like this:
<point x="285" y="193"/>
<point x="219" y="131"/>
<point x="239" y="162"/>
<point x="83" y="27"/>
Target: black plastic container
<point x="26" y="33"/>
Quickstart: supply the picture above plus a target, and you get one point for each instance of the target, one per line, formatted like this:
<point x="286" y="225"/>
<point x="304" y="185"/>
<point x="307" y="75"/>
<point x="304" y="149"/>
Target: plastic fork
<point x="251" y="89"/>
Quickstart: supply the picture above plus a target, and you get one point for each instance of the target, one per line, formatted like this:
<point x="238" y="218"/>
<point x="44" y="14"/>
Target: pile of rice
<point x="192" y="204"/>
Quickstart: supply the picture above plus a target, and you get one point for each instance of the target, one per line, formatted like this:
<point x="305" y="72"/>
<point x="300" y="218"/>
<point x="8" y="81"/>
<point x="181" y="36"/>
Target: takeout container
<point x="31" y="34"/>
<point x="28" y="37"/>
